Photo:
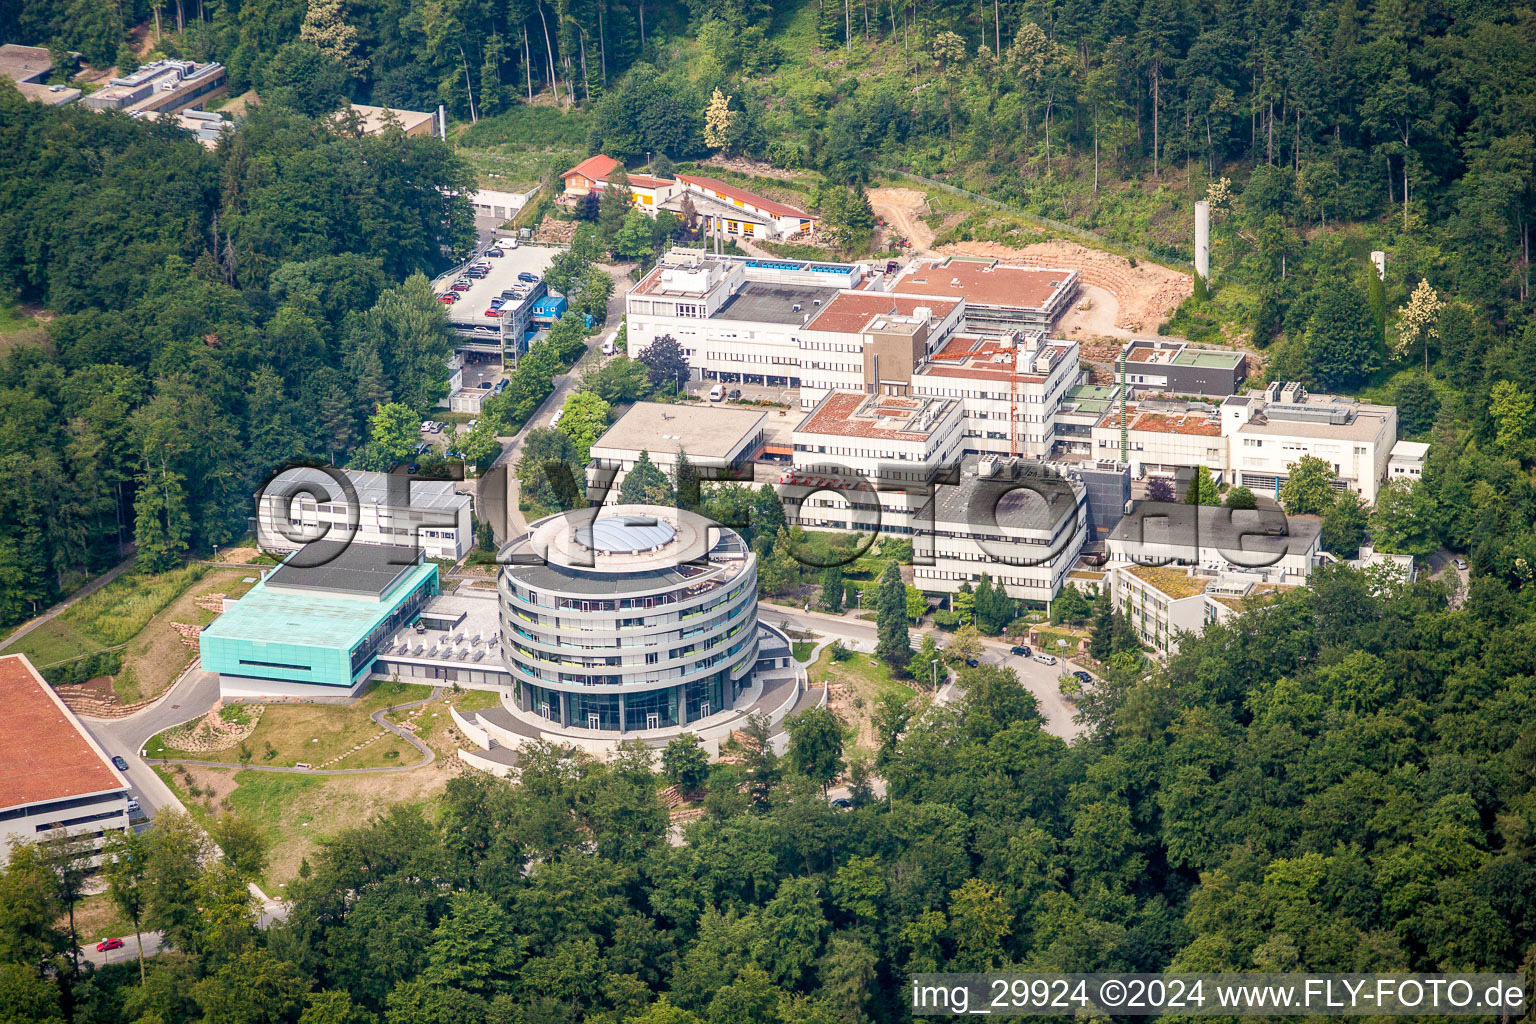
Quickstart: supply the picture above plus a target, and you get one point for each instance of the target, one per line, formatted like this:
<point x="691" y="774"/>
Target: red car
<point x="106" y="944"/>
<point x="461" y="286"/>
<point x="493" y="311"/>
<point x="448" y="298"/>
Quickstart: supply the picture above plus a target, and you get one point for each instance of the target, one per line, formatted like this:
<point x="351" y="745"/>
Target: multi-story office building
<point x="715" y="439"/>
<point x="162" y="87"/>
<point x="631" y="618"/>
<point x="53" y="775"/>
<point x="301" y="505"/>
<point x="313" y="627"/>
<point x="1179" y="368"/>
<point x="1268" y="431"/>
<point x="1011" y="386"/>
<point x="868" y="462"/>
<point x="998" y="297"/>
<point x="1164" y="603"/>
<point x="1264" y="545"/>
<point x="1021" y="522"/>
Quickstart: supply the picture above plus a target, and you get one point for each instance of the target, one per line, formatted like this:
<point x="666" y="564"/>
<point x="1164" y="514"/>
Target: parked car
<point x="472" y="424"/>
<point x="133" y="805"/>
<point x="448" y="298"/>
<point x="426" y="425"/>
<point x="118" y="762"/>
<point x="972" y="663"/>
<point x="423" y="448"/>
<point x="484" y="384"/>
<point x="495" y="253"/>
<point x="461" y="286"/>
<point x="506" y="243"/>
<point x="106" y="944"/>
<point x="482" y="265"/>
<point x="1083" y="677"/>
<point x="554" y="420"/>
<point x="1046" y="659"/>
<point x="412" y="468"/>
<point x="1022" y="650"/>
<point x="716" y="393"/>
<point x="735" y="393"/>
<point x="501" y="386"/>
<point x="528" y="277"/>
<point x="494" y="310"/>
<point x="1461" y="563"/>
<point x="842" y="803"/>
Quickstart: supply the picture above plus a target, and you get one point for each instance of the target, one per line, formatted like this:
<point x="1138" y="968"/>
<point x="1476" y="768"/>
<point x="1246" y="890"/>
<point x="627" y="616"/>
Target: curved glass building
<point x="630" y="617"/>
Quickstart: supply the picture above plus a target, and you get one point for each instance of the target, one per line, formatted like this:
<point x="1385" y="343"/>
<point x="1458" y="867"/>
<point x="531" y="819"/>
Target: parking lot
<point x="474" y="301"/>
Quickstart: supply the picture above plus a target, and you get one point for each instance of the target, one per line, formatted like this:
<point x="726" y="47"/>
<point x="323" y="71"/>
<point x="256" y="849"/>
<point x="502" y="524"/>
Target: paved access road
<point x="860" y="634"/>
<point x="189" y="697"/>
<point x="129" y="952"/>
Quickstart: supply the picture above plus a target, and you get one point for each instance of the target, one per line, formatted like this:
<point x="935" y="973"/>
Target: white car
<point x="554" y="420"/>
<point x="506" y="243"/>
<point x="716" y="393"/>
<point x="1046" y="659"/>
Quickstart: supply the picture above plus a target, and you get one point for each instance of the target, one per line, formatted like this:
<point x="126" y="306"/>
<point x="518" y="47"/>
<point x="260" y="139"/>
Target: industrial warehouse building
<point x="313" y="627"/>
<point x="53" y="775"/>
<point x="723" y="441"/>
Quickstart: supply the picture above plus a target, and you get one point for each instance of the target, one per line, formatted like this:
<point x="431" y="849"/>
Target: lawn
<point x="857" y="685"/>
<point x="97" y="918"/>
<point x="1048" y="641"/>
<point x="802" y="649"/>
<point x="135" y="611"/>
<point x="315" y="734"/>
<point x="299" y="812"/>
<point x="17" y="328"/>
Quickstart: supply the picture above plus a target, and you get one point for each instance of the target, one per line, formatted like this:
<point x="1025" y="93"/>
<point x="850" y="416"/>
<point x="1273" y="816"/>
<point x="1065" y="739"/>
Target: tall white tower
<point x="1203" y="240"/>
<point x="1379" y="258"/>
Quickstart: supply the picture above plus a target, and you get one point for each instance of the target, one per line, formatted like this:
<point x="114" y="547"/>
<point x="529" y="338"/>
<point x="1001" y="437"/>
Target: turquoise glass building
<point x="314" y="626"/>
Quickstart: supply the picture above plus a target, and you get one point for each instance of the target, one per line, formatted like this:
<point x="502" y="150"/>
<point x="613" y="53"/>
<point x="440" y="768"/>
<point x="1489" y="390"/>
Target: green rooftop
<point x="1205" y="357"/>
<point x="309" y="619"/>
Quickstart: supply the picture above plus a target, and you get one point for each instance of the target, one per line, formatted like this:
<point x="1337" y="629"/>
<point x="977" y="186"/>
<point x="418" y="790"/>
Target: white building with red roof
<point x="597" y="174"/>
<point x="731" y="210"/>
<point x="53" y="774"/>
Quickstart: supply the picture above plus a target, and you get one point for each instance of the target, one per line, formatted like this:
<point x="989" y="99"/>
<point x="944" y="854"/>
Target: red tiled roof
<point x="44" y="752"/>
<point x="975" y="358"/>
<point x="595" y="167"/>
<point x="850" y="311"/>
<point x="646" y="181"/>
<point x="985" y="283"/>
<point x="731" y="191"/>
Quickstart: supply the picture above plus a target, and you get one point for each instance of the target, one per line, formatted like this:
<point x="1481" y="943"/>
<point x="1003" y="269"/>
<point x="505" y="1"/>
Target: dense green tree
<point x="1308" y="487"/>
<point x="1343" y="341"/>
<point x="550" y="472"/>
<point x="891" y="620"/>
<point x="832" y="584"/>
<point x="685" y="763"/>
<point x="1403" y="520"/>
<point x="1240" y="497"/>
<point x="1202" y="488"/>
<point x="816" y="744"/>
<point x="644" y="484"/>
<point x="1344" y="524"/>
<point x="667" y="365"/>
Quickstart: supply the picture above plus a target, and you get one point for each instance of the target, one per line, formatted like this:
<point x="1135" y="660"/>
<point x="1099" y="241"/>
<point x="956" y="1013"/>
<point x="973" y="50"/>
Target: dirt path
<point x="84" y="592"/>
<point x="902" y="210"/>
<point x="1145" y="295"/>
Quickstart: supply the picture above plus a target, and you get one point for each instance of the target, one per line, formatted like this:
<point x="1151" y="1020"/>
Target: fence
<point x="1083" y="235"/>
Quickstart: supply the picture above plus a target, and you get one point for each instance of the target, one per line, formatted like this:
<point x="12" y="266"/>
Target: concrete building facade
<point x="54" y="777"/>
<point x="300" y="506"/>
<point x="313" y="627"/>
<point x="629" y="618"/>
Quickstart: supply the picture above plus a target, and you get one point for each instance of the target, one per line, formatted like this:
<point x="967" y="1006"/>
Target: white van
<point x="716" y="393"/>
<point x="554" y="420"/>
<point x="608" y="347"/>
<point x="506" y="243"/>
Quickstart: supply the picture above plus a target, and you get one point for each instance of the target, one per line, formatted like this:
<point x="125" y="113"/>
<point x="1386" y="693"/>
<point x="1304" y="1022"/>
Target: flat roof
<point x="1364" y="424"/>
<point x="337" y="567"/>
<point x="706" y="432"/>
<point x="985" y="282"/>
<point x="1189" y="422"/>
<point x="45" y="754"/>
<point x="886" y="417"/>
<point x="1180" y="354"/>
<point x="774" y="303"/>
<point x="987" y="358"/>
<point x="1211" y="526"/>
<point x="308" y="618"/>
<point x="24" y="63"/>
<point x="1019" y="494"/>
<point x="1410" y="450"/>
<point x="374" y="122"/>
<point x="371" y="488"/>
<point x="850" y="311"/>
<point x="1094" y="399"/>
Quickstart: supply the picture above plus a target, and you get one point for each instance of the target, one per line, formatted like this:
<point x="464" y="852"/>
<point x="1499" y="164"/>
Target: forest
<point x="1340" y="780"/>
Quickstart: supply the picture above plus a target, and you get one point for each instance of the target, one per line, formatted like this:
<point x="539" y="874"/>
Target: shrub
<point x="946" y="619"/>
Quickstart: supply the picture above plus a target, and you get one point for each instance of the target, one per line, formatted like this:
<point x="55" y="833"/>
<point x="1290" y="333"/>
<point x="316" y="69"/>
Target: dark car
<point x="1083" y="677"/>
<point x="842" y="803"/>
<point x="1022" y="650"/>
<point x="527" y="276"/>
<point x="118" y="762"/>
<point x="972" y="663"/>
<point x="495" y="254"/>
<point x="734" y="393"/>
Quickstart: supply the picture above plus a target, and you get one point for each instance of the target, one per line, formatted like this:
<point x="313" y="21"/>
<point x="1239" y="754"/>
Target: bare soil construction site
<point x="1120" y="299"/>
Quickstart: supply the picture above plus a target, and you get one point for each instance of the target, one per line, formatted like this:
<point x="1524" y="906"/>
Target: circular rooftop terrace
<point x="622" y="538"/>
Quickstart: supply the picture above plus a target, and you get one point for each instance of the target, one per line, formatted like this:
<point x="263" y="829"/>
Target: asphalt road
<point x="1040" y="680"/>
<point x="127" y="954"/>
<point x="190" y="697"/>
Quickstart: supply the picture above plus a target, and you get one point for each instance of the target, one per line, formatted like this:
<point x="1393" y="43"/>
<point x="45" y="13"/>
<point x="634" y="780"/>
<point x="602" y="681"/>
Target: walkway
<point x="377" y="717"/>
<point x="79" y="595"/>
